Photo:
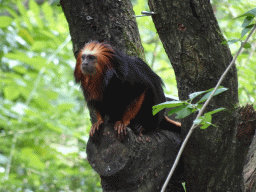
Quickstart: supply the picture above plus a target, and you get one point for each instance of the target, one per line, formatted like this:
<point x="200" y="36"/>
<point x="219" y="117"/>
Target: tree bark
<point x="103" y="20"/>
<point x="214" y="157"/>
<point x="139" y="163"/>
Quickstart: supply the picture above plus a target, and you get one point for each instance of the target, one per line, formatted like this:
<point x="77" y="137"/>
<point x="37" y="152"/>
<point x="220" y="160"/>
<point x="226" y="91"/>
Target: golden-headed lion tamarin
<point x="122" y="88"/>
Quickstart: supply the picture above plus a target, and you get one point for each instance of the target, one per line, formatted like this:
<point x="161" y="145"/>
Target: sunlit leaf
<point x="53" y="127"/>
<point x="35" y="62"/>
<point x="39" y="45"/>
<point x="167" y="104"/>
<point x="194" y="95"/>
<point x="26" y="36"/>
<point x="5" y="21"/>
<point x="65" y="106"/>
<point x="251" y="13"/>
<point x="11" y="92"/>
<point x="24" y="15"/>
<point x="19" y="69"/>
<point x="48" y="12"/>
<point x="206" y="96"/>
<point x="33" y="160"/>
<point x="198" y="121"/>
<point x="207" y="119"/>
<point x="36" y="10"/>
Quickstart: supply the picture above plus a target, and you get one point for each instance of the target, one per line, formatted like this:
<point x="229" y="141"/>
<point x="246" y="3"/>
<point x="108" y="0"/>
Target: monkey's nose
<point x="83" y="66"/>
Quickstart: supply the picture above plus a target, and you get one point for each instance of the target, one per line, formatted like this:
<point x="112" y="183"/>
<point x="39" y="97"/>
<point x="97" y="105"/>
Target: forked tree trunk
<point x="215" y="157"/>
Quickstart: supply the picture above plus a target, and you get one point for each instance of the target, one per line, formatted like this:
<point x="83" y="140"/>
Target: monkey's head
<point x="93" y="60"/>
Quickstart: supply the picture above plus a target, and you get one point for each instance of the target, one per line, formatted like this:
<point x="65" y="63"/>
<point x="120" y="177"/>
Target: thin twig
<point x="41" y="72"/>
<point x="8" y="164"/>
<point x="202" y="110"/>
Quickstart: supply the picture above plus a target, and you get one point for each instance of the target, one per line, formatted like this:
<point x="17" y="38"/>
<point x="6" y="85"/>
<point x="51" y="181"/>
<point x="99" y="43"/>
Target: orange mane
<point x="91" y="83"/>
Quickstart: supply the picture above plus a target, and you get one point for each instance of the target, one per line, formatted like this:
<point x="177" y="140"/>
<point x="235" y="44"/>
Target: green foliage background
<point x="44" y="122"/>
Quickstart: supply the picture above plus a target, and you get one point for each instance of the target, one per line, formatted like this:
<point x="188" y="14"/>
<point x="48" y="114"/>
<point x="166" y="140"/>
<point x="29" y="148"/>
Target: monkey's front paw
<point x="120" y="128"/>
<point x="95" y="127"/>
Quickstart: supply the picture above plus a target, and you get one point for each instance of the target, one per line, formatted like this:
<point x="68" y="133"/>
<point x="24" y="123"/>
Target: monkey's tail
<point x="171" y="125"/>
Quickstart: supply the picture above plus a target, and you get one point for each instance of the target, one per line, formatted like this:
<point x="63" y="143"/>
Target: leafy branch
<point x="185" y="108"/>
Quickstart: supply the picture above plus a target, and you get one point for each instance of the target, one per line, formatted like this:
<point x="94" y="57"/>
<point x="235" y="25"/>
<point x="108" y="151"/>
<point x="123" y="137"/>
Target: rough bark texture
<point x="103" y="20"/>
<point x="138" y="163"/>
<point x="246" y="129"/>
<point x="192" y="39"/>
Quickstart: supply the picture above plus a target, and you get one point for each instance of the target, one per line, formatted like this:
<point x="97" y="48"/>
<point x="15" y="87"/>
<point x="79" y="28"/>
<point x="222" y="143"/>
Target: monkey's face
<point x="88" y="64"/>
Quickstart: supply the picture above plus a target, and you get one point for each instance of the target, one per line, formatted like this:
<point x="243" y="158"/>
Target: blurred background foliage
<point x="44" y="122"/>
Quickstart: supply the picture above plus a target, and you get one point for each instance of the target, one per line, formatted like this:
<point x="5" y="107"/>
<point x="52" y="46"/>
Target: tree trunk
<point x="103" y="21"/>
<point x="214" y="157"/>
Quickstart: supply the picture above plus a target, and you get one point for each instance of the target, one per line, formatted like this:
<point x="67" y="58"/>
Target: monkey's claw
<point x="120" y="128"/>
<point x="95" y="127"/>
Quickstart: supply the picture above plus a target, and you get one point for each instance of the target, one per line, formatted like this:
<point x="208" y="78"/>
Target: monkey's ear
<point x="78" y="72"/>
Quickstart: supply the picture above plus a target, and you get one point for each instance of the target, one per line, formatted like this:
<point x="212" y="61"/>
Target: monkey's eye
<point x="91" y="57"/>
<point x="83" y="57"/>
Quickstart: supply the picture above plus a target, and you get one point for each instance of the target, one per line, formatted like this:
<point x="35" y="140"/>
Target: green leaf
<point x="245" y="15"/>
<point x="39" y="45"/>
<point x="207" y="119"/>
<point x="218" y="91"/>
<point x="10" y="11"/>
<point x="33" y="160"/>
<point x="23" y="12"/>
<point x="36" y="10"/>
<point x="247" y="21"/>
<point x="205" y="125"/>
<point x="246" y="30"/>
<point x="51" y="94"/>
<point x="5" y="21"/>
<point x="184" y="113"/>
<point x="251" y="13"/>
<point x="194" y="95"/>
<point x="26" y="36"/>
<point x="167" y="104"/>
<point x="247" y="45"/>
<point x="20" y="69"/>
<point x="25" y="91"/>
<point x="230" y="41"/>
<point x="175" y="110"/>
<point x="35" y="62"/>
<point x="215" y="111"/>
<point x="198" y="121"/>
<point x="11" y="92"/>
<point x="65" y="106"/>
<point x="53" y="127"/>
<point x="48" y="12"/>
